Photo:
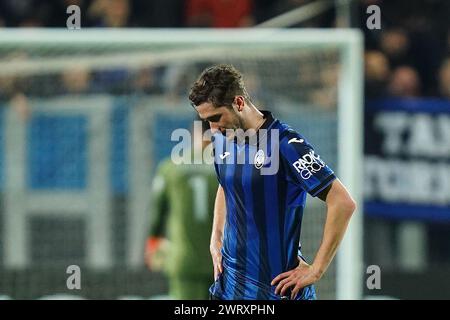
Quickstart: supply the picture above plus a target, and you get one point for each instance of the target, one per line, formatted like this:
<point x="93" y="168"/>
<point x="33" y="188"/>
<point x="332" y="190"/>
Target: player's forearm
<point x="338" y="217"/>
<point x="219" y="217"/>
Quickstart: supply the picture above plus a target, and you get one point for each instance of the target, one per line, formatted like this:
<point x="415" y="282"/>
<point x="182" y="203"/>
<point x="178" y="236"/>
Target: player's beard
<point x="236" y="123"/>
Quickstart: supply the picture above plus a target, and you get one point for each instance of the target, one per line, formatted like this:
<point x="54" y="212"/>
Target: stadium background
<point x="407" y="73"/>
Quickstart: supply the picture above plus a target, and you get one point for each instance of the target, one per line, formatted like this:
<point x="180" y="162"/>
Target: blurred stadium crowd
<point x="408" y="57"/>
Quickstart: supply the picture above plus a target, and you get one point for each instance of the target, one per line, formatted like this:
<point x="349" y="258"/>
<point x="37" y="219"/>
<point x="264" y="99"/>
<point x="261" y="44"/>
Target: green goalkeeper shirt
<point x="183" y="204"/>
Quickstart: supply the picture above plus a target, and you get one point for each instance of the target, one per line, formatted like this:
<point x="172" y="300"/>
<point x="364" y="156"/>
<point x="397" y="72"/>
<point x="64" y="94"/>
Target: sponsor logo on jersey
<point x="296" y="140"/>
<point x="309" y="164"/>
<point x="224" y="155"/>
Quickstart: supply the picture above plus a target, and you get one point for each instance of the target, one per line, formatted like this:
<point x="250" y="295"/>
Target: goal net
<point x="85" y="117"/>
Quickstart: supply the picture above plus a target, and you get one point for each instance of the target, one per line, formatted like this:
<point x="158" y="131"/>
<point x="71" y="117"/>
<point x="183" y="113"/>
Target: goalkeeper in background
<point x="180" y="229"/>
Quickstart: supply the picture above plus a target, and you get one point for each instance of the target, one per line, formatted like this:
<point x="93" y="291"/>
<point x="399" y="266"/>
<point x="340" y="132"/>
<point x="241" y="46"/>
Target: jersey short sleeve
<point x="303" y="164"/>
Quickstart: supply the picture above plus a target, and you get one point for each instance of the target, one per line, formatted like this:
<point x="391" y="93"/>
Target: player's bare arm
<point x="340" y="207"/>
<point x="217" y="232"/>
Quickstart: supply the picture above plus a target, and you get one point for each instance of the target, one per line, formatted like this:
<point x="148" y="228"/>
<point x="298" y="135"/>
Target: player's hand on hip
<point x="302" y="276"/>
<point x="216" y="254"/>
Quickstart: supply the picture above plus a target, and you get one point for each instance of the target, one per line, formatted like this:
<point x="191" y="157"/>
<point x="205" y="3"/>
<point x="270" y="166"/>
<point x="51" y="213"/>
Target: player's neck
<point x="254" y="118"/>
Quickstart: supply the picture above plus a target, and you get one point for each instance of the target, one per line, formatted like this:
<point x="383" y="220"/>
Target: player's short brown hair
<point x="219" y="85"/>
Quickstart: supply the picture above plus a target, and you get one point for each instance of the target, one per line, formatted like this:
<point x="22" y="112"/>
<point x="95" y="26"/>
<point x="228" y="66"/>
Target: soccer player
<point x="257" y="217"/>
<point x="183" y="203"/>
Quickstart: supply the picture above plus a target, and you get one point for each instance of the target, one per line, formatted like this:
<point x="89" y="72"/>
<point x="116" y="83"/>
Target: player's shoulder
<point x="289" y="137"/>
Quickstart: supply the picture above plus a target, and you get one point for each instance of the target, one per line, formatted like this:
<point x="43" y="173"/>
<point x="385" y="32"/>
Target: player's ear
<point x="239" y="102"/>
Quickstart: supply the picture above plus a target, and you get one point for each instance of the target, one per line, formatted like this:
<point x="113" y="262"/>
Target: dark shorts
<point x="212" y="297"/>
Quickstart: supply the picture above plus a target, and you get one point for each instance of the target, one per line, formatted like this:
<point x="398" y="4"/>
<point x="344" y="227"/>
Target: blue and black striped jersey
<point x="265" y="181"/>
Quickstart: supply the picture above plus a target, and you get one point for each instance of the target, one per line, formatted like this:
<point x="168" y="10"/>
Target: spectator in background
<point x="58" y="13"/>
<point x="12" y="88"/>
<point x="12" y="95"/>
<point x="110" y="13"/>
<point x="444" y="79"/>
<point x="16" y="13"/>
<point x="395" y="45"/>
<point x="219" y="13"/>
<point x="114" y="81"/>
<point x="412" y="34"/>
<point x="377" y="72"/>
<point x="418" y="48"/>
<point x="404" y="83"/>
<point x="147" y="81"/>
<point x="76" y="81"/>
